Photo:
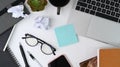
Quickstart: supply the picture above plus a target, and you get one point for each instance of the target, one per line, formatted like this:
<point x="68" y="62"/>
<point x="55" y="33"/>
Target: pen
<point x="34" y="59"/>
<point x="23" y="55"/>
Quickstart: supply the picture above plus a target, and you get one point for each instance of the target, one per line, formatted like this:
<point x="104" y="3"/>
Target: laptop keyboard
<point x="108" y="9"/>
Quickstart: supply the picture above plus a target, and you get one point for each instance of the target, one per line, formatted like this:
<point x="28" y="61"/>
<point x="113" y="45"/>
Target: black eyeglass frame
<point x="41" y="42"/>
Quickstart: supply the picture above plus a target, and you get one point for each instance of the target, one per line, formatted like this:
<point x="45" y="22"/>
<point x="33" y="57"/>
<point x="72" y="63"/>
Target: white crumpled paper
<point x="42" y="23"/>
<point x="17" y="11"/>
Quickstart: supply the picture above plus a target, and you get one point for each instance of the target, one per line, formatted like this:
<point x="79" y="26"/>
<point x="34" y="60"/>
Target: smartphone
<point x="61" y="61"/>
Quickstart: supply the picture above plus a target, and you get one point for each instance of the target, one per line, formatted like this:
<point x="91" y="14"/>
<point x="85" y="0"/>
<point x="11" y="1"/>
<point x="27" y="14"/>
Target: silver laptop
<point x="97" y="19"/>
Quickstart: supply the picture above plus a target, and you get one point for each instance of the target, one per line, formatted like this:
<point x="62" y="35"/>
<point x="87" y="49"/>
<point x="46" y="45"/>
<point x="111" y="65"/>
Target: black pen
<point x="23" y="55"/>
<point x="34" y="59"/>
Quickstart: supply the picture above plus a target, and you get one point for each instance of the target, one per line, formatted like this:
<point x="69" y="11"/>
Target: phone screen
<point x="61" y="61"/>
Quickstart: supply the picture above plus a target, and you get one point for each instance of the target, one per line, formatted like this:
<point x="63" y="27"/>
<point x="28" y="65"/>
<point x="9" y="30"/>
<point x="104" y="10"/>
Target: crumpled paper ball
<point x="42" y="23"/>
<point x="17" y="11"/>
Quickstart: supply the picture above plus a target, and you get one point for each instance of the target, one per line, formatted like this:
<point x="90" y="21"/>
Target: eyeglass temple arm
<point x="53" y="52"/>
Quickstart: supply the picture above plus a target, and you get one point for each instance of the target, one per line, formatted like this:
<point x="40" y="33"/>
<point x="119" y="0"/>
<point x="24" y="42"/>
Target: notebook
<point x="7" y="59"/>
<point x="109" y="57"/>
<point x="6" y="19"/>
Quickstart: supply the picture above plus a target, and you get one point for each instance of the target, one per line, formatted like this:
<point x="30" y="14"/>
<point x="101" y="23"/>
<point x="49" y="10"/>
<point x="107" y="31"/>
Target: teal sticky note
<point x="66" y="35"/>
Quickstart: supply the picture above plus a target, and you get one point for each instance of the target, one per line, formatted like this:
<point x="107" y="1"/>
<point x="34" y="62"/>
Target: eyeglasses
<point x="45" y="47"/>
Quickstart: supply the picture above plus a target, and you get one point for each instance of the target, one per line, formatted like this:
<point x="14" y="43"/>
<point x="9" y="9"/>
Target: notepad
<point x="7" y="59"/>
<point x="109" y="57"/>
<point x="66" y="35"/>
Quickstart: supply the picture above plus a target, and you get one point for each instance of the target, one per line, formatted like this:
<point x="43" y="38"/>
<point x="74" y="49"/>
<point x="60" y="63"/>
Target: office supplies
<point x="7" y="59"/>
<point x="109" y="57"/>
<point x="24" y="56"/>
<point x="79" y="52"/>
<point x="32" y="41"/>
<point x="66" y="35"/>
<point x="6" y="25"/>
<point x="42" y="22"/>
<point x="59" y="4"/>
<point x="61" y="61"/>
<point x="97" y="19"/>
<point x="34" y="59"/>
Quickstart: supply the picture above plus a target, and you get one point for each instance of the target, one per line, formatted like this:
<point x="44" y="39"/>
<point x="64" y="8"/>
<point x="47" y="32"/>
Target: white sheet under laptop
<point x="95" y="27"/>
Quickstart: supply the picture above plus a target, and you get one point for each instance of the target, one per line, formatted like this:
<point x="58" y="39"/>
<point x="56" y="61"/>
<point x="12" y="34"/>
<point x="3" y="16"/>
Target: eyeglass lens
<point x="46" y="49"/>
<point x="31" y="41"/>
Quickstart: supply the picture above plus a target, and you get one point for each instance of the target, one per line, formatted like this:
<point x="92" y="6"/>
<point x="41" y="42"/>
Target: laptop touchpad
<point x="104" y="30"/>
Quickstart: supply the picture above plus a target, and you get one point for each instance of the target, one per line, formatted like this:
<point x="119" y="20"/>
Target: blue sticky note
<point x="66" y="35"/>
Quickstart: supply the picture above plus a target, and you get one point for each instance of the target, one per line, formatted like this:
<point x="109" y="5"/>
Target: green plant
<point x="37" y="5"/>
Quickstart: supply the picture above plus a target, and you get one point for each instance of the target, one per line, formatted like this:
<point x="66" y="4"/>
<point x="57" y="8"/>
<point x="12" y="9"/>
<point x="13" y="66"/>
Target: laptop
<point x="6" y="19"/>
<point x="97" y="19"/>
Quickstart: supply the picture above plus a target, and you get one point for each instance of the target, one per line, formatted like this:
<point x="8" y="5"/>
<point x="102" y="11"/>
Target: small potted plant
<point x="37" y="5"/>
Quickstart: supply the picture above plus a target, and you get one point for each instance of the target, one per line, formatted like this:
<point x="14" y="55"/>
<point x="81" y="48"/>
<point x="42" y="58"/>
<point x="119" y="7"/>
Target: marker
<point x="24" y="56"/>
